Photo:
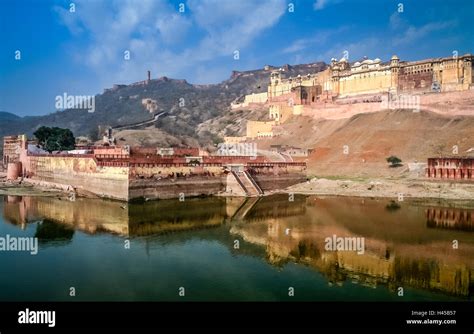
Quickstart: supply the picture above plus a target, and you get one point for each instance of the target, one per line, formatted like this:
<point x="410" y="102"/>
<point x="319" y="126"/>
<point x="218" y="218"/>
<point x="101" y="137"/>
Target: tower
<point x="275" y="79"/>
<point x="468" y="72"/>
<point x="394" y="62"/>
<point x="395" y="72"/>
<point x="335" y="79"/>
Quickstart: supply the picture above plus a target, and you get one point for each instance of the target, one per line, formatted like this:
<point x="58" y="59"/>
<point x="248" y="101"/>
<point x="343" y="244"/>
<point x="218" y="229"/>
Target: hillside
<point x="372" y="137"/>
<point x="8" y="117"/>
<point x="122" y="104"/>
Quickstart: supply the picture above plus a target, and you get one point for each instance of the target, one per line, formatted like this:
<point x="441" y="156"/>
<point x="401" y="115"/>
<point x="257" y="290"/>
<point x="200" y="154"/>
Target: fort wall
<point x="198" y="185"/>
<point x="255" y="98"/>
<point x="255" y="128"/>
<point x="83" y="174"/>
<point x="164" y="171"/>
<point x="365" y="83"/>
<point x="115" y="174"/>
<point x="447" y="103"/>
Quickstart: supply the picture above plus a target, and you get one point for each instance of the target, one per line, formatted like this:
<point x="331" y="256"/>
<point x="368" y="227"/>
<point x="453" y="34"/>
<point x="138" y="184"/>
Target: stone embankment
<point x="387" y="188"/>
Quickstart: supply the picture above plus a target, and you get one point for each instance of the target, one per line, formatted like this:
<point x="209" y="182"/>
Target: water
<point x="192" y="244"/>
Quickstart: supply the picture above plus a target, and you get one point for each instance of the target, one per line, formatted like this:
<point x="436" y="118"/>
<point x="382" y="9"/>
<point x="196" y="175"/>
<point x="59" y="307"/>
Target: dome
<point x="394" y="57"/>
<point x="377" y="60"/>
<point x="368" y="61"/>
<point x="357" y="64"/>
<point x="343" y="60"/>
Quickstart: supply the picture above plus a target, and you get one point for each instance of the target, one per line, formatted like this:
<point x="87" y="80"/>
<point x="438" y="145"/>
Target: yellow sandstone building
<point x="342" y="79"/>
<point x="371" y="79"/>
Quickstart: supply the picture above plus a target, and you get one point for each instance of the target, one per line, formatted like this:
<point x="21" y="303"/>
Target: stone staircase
<point x="248" y="184"/>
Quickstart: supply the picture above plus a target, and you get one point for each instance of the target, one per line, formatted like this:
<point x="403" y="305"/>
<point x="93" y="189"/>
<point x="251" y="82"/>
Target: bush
<point x="394" y="161"/>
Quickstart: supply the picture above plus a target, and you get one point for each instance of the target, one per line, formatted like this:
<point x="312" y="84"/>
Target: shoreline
<point x="395" y="189"/>
<point x="19" y="189"/>
<point x="391" y="189"/>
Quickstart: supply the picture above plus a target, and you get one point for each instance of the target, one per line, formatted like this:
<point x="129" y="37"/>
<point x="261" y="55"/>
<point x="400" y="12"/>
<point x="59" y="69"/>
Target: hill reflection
<point x="409" y="247"/>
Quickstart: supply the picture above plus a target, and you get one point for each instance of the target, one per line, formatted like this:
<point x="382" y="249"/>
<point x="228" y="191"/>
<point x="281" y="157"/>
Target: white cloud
<point x="413" y="34"/>
<point x="153" y="31"/>
<point x="395" y="21"/>
<point x="232" y="25"/>
<point x="319" y="38"/>
<point x="297" y="45"/>
<point x="172" y="29"/>
<point x="321" y="4"/>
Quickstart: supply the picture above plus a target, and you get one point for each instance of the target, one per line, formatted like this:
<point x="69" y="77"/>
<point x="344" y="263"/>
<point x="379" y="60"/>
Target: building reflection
<point x="401" y="247"/>
<point x="127" y="220"/>
<point x="428" y="263"/>
<point x="450" y="218"/>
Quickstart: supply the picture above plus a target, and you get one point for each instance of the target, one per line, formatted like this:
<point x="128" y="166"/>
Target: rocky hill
<point x="187" y="106"/>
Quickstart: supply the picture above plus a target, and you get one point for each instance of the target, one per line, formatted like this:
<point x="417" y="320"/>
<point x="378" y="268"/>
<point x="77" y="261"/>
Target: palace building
<point x="364" y="81"/>
<point x="344" y="79"/>
<point x="456" y="168"/>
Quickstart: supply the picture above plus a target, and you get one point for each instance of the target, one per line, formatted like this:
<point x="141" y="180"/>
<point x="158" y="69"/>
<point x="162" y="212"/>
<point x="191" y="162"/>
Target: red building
<point x="456" y="168"/>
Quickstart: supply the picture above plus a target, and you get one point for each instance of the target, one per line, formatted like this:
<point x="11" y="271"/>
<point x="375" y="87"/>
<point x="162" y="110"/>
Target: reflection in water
<point x="450" y="218"/>
<point x="392" y="206"/>
<point x="92" y="216"/>
<point x="50" y="231"/>
<point x="401" y="247"/>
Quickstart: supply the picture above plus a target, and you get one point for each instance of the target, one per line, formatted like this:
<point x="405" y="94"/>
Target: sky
<point x="80" y="47"/>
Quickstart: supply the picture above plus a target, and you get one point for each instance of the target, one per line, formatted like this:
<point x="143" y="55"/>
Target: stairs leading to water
<point x="248" y="184"/>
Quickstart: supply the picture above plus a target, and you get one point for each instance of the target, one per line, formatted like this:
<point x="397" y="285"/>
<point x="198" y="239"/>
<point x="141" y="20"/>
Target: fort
<point x="344" y="89"/>
<point x="343" y="79"/>
<point x="131" y="173"/>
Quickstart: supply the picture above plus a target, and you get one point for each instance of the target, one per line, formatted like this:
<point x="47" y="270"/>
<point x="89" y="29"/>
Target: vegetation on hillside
<point x="394" y="161"/>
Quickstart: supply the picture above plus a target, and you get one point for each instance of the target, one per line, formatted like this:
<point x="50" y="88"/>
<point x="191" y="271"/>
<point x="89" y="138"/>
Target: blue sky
<point x="81" y="52"/>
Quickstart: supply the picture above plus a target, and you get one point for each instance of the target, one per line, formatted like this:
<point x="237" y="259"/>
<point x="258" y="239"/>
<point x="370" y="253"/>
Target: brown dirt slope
<point x="372" y="137"/>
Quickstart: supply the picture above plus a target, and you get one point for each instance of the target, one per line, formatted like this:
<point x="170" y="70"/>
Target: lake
<point x="272" y="248"/>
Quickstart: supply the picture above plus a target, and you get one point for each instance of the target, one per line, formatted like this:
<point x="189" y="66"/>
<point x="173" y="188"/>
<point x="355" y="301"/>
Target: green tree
<point x="42" y="134"/>
<point x="55" y="139"/>
<point x="394" y="161"/>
